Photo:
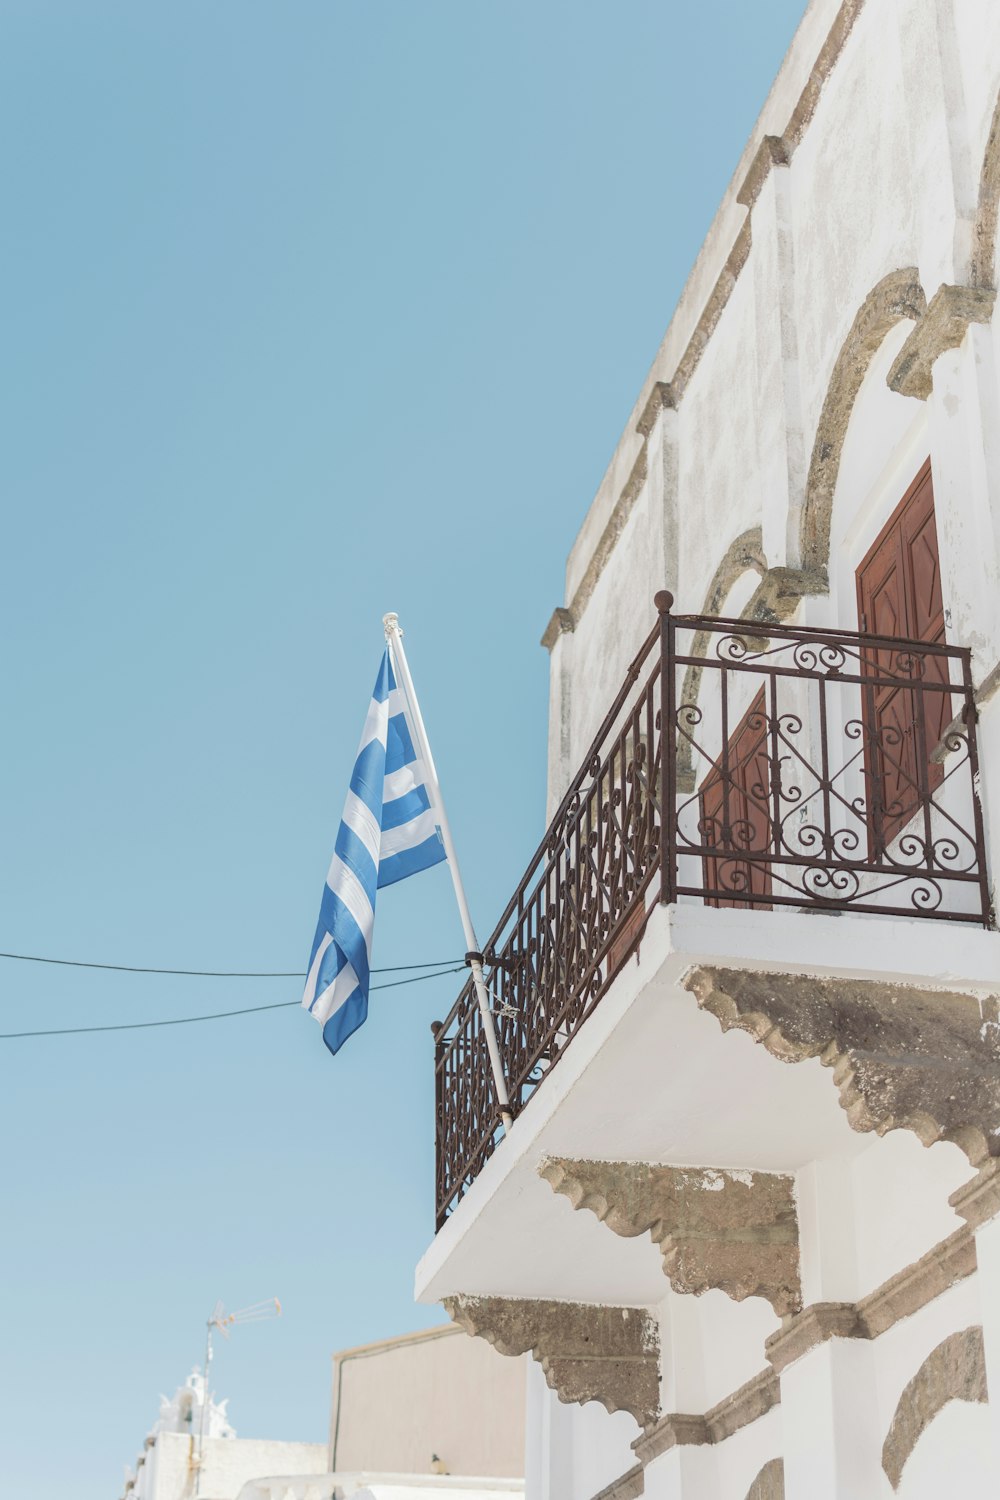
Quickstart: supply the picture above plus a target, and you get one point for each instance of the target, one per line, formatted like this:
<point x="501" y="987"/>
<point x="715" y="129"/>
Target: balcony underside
<point x="653" y="1077"/>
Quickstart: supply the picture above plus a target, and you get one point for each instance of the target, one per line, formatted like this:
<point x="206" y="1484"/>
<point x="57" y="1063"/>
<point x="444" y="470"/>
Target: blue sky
<point x="310" y="311"/>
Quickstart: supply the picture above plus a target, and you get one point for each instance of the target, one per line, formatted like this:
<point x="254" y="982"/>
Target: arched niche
<point x="886" y="441"/>
<point x="897" y="297"/>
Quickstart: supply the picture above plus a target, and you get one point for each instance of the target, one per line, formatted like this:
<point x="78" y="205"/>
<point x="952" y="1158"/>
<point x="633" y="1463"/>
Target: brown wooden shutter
<point x="899" y="594"/>
<point x="736" y="812"/>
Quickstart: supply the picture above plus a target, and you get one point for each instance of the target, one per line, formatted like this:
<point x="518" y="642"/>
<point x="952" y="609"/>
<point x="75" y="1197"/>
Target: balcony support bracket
<point x="903" y="1057"/>
<point x="728" y="1230"/>
<point x="587" y="1353"/>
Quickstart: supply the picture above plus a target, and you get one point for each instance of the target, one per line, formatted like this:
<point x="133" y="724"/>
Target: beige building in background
<point x="406" y="1404"/>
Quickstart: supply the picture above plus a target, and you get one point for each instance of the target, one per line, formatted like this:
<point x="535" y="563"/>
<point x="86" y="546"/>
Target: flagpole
<point x="394" y="638"/>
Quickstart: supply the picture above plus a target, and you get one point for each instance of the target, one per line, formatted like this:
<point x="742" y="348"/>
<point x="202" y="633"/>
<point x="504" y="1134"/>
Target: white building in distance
<point x="168" y="1466"/>
<point x="425" y="1416"/>
<point x="747" y="1219"/>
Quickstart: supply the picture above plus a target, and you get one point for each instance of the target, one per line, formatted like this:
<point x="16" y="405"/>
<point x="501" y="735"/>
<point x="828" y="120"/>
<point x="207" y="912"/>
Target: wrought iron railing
<point x="805" y="768"/>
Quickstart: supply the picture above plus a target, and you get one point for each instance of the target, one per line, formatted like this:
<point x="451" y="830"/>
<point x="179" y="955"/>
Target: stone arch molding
<point x="775" y="598"/>
<point x="897" y="297"/>
<point x="954" y="1371"/>
<point x="984" y="235"/>
<point x="769" y="1483"/>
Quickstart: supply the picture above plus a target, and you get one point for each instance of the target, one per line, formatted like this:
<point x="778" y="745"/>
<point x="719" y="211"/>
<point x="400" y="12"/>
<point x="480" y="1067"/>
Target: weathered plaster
<point x="605" y="1354"/>
<point x="661" y="398"/>
<point x="954" y="1371"/>
<point x="733" y="1231"/>
<point x="902" y="1056"/>
<point x="771" y="149"/>
<point x="826" y="60"/>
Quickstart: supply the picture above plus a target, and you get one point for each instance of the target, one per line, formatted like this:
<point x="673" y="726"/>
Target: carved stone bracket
<point x="605" y="1354"/>
<point x="942" y="326"/>
<point x="735" y="1231"/>
<point x="561" y="623"/>
<point x="781" y="591"/>
<point x="902" y="1056"/>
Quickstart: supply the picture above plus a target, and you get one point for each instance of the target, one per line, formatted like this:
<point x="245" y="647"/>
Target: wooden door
<point x="735" y="813"/>
<point x="899" y="594"/>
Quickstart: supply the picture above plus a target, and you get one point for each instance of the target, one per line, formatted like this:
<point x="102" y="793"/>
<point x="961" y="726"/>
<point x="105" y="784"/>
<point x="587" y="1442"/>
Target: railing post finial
<point x="664" y="601"/>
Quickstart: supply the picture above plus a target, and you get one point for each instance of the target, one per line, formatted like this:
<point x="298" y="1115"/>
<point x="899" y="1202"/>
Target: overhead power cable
<point x="219" y="1015"/>
<point x="79" y="963"/>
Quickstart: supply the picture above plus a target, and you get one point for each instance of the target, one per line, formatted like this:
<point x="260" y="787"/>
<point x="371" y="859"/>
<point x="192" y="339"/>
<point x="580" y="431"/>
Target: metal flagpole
<point x="394" y="638"/>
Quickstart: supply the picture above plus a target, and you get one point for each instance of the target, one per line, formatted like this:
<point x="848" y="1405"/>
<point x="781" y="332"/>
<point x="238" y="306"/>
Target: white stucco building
<point x="747" y="1219"/>
<point x="168" y="1467"/>
<point x="424" y="1416"/>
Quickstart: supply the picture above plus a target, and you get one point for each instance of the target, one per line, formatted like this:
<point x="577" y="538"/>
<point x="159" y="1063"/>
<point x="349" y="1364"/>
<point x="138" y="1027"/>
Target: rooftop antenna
<point x="259" y="1312"/>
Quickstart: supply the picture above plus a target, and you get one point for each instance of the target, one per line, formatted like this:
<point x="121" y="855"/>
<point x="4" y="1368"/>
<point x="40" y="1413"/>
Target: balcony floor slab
<point x="651" y="1077"/>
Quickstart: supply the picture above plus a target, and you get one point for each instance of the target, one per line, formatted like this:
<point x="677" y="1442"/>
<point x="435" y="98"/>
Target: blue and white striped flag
<point x="388" y="831"/>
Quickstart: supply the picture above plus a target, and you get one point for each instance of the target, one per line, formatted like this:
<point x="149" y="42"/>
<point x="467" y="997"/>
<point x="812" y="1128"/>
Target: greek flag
<point x="388" y="831"/>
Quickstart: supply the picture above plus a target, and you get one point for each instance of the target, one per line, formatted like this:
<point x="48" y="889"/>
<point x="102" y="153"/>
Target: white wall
<point x="825" y="230"/>
<point x="572" y="1451"/>
<point x="229" y="1464"/>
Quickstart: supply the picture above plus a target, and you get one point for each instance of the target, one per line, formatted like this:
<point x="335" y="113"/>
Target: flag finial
<point x="390" y="624"/>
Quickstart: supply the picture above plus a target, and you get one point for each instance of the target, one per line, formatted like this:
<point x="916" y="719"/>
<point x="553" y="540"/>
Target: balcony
<point x="821" y="771"/>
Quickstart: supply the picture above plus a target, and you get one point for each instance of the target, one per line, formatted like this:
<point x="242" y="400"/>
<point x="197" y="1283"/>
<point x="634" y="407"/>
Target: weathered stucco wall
<point x="838" y="329"/>
<point x="873" y="147"/>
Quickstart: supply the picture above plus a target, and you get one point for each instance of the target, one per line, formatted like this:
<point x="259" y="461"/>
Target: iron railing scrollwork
<point x="804" y="768"/>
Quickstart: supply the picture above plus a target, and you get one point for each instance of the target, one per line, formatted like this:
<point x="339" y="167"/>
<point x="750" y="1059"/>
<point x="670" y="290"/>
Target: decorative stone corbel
<point x="978" y="1201"/>
<point x="781" y="591"/>
<point x="605" y="1354"/>
<point x="902" y="1056"/>
<point x="734" y="1231"/>
<point x="772" y="152"/>
<point x="561" y="623"/>
<point x="661" y="398"/>
<point x="942" y="326"/>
